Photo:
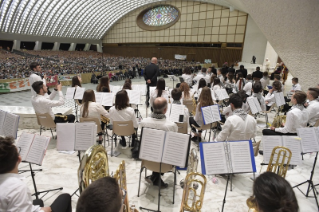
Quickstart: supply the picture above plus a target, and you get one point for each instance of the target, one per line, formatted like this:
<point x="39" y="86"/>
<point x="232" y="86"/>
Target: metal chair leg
<point x="174" y="186"/>
<point x="40" y="129"/>
<point x="52" y="133"/>
<point x="139" y="183"/>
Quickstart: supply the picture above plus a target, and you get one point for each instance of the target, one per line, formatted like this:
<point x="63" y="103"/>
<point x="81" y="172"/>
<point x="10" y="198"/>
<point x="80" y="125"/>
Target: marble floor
<point x="60" y="170"/>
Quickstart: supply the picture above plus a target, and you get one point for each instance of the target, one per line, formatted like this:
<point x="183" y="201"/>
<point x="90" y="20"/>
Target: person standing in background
<point x="150" y="76"/>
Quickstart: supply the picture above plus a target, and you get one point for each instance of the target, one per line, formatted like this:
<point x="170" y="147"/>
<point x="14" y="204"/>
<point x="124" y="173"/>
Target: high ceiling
<point x="81" y="19"/>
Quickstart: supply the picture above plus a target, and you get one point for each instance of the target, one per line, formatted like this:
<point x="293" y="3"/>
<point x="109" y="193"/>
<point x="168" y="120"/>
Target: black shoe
<point x="163" y="185"/>
<point x="148" y="179"/>
<point x="261" y="152"/>
<point x="123" y="143"/>
<point x="99" y="141"/>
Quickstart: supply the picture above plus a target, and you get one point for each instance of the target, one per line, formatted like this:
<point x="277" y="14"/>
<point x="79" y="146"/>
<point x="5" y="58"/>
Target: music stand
<point x="137" y="112"/>
<point x="310" y="183"/>
<point x="172" y="77"/>
<point x="79" y="155"/>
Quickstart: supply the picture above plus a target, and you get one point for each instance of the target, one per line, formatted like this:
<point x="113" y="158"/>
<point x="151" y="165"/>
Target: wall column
<point x="72" y="47"/>
<point x="271" y="54"/>
<point x="99" y="48"/>
<point x="87" y="47"/>
<point x="16" y="45"/>
<point x="56" y="46"/>
<point x="38" y="45"/>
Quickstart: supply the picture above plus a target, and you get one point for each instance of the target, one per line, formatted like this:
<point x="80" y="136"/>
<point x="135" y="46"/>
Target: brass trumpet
<point x="192" y="199"/>
<point x="94" y="165"/>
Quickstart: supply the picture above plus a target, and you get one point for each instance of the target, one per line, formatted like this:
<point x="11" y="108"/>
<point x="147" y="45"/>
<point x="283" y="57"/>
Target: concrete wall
<point x="255" y="43"/>
<point x="292" y="28"/>
<point x="271" y="54"/>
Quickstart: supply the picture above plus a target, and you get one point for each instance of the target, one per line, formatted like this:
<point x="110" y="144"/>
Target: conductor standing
<point x="150" y="76"/>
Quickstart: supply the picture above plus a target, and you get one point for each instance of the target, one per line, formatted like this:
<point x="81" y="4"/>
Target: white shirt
<point x="245" y="107"/>
<point x="264" y="82"/>
<point x="221" y="78"/>
<point x="242" y="84"/>
<point x="153" y="96"/>
<point x="34" y="78"/>
<point x="188" y="78"/>
<point x="207" y="78"/>
<point x="191" y="93"/>
<point x="160" y="124"/>
<point x="126" y="114"/>
<point x="247" y="88"/>
<point x="43" y="104"/>
<point x="227" y="111"/>
<point x="313" y="112"/>
<point x="198" y="116"/>
<point x="199" y="76"/>
<point x="15" y="195"/>
<point x="95" y="110"/>
<point x="261" y="102"/>
<point x="215" y="88"/>
<point x="296" y="87"/>
<point x="270" y="98"/>
<point x="295" y="119"/>
<point x="236" y="129"/>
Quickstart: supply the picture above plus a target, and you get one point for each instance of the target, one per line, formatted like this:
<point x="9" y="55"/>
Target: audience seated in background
<point x="14" y="193"/>
<point x="273" y="193"/>
<point x="102" y="195"/>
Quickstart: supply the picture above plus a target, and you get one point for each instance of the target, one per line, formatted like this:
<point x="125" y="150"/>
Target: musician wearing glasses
<point x="14" y="194"/>
<point x="103" y="195"/>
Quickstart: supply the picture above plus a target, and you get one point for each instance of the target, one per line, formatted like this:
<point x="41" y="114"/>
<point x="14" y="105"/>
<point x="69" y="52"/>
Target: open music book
<point x="70" y="93"/>
<point x="254" y="105"/>
<point x="309" y="139"/>
<point x="291" y="142"/>
<point x="79" y="93"/>
<point x="9" y="124"/>
<point x="104" y="98"/>
<point x="115" y="88"/>
<point x="33" y="147"/>
<point x="75" y="136"/>
<point x="210" y="114"/>
<point x="164" y="147"/>
<point x="134" y="96"/>
<point x="176" y="111"/>
<point x="173" y="77"/>
<point x="227" y="157"/>
<point x="221" y="94"/>
<point x="279" y="98"/>
<point x="141" y="88"/>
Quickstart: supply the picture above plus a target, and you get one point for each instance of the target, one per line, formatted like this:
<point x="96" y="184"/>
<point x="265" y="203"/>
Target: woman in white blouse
<point x="158" y="92"/>
<point x="201" y="85"/>
<point x="216" y="87"/>
<point x="122" y="112"/>
<point x="187" y="76"/>
<point x="186" y="92"/>
<point x="91" y="109"/>
<point x="270" y="97"/>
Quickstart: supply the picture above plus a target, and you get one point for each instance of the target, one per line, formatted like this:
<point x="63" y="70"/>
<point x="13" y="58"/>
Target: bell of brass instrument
<point x="94" y="165"/>
<point x="278" y="121"/>
<point x="192" y="164"/>
<point x="279" y="161"/>
<point x="65" y="118"/>
<point x="105" y="120"/>
<point x="120" y="176"/>
<point x="192" y="199"/>
<point x="252" y="204"/>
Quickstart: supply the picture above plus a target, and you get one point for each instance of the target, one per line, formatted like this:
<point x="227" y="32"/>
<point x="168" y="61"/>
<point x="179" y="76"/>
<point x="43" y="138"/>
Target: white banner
<point x="13" y="86"/>
<point x="180" y="57"/>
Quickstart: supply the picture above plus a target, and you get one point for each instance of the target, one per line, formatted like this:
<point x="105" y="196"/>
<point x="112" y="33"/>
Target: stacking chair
<point x="190" y="105"/>
<point x="98" y="125"/>
<point x="45" y="121"/>
<point x="153" y="166"/>
<point x="182" y="127"/>
<point x="205" y="127"/>
<point x="317" y="123"/>
<point x="121" y="128"/>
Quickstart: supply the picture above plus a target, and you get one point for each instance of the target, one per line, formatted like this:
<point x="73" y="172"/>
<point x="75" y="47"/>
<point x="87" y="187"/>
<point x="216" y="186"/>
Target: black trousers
<point x="133" y="139"/>
<point x="273" y="132"/>
<point x="60" y="204"/>
<point x="70" y="119"/>
<point x="193" y="122"/>
<point x="147" y="95"/>
<point x="156" y="177"/>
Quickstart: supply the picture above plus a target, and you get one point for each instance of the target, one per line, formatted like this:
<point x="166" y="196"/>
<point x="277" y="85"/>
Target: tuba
<point x="192" y="199"/>
<point x="120" y="176"/>
<point x="94" y="165"/>
<point x="192" y="164"/>
<point x="279" y="161"/>
<point x="278" y="121"/>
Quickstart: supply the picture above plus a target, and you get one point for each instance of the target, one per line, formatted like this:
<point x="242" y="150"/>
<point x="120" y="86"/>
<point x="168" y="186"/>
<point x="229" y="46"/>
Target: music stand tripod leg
<point x="224" y="200"/>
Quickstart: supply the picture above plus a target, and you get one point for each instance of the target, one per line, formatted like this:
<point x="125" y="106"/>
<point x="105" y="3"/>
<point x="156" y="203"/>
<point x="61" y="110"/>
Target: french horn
<point x="94" y="165"/>
<point x="193" y="198"/>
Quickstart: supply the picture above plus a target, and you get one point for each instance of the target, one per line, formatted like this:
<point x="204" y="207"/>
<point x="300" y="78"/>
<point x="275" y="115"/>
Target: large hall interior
<point x="99" y="97"/>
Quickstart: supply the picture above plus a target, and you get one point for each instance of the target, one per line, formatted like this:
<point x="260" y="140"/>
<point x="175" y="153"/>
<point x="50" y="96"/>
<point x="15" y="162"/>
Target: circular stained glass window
<point x="160" y="15"/>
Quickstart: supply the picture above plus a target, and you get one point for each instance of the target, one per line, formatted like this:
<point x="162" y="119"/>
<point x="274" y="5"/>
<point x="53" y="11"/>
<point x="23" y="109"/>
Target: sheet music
<point x="176" y="111"/>
<point x="251" y="103"/>
<point x="317" y="132"/>
<point x="282" y="98"/>
<point x="134" y="96"/>
<point x="221" y="94"/>
<point x="84" y="135"/>
<point x="2" y="118"/>
<point x="168" y="111"/>
<point x="37" y="149"/>
<point x="207" y="115"/>
<point x="224" y="93"/>
<point x="215" y="112"/>
<point x="240" y="156"/>
<point x="115" y="89"/>
<point x="24" y="143"/>
<point x="107" y="99"/>
<point x="98" y="97"/>
<point x="215" y="158"/>
<point x="79" y="93"/>
<point x="152" y="145"/>
<point x="269" y="142"/>
<point x="175" y="149"/>
<point x="142" y="89"/>
<point x="10" y="125"/>
<point x="279" y="98"/>
<point x="66" y="136"/>
<point x="69" y="93"/>
<point x="295" y="147"/>
<point x="309" y="141"/>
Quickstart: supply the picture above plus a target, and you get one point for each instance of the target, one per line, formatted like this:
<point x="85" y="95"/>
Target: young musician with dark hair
<point x="36" y="68"/>
<point x="122" y="112"/>
<point x="265" y="82"/>
<point x="296" y="117"/>
<point x="76" y="82"/>
<point x="158" y="121"/>
<point x="239" y="126"/>
<point x="43" y="104"/>
<point x="258" y="93"/>
<point x="248" y="85"/>
<point x="205" y="99"/>
<point x="102" y="195"/>
<point x="273" y="193"/>
<point x="91" y="109"/>
<point x="295" y="85"/>
<point x="240" y="81"/>
<point x="127" y="86"/>
<point x="270" y="97"/>
<point x="313" y="106"/>
<point x="243" y="97"/>
<point x="14" y="194"/>
<point x="177" y="96"/>
<point x="188" y="76"/>
<point x="201" y="84"/>
<point x="159" y="91"/>
<point x="186" y="92"/>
